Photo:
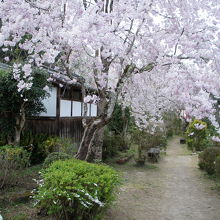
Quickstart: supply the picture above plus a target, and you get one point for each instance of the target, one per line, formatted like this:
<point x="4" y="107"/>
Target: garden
<point x="40" y="178"/>
<point x="109" y="109"/>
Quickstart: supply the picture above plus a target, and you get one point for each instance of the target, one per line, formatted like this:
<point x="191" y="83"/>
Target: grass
<point x="15" y="202"/>
<point x="216" y="181"/>
<point x="216" y="187"/>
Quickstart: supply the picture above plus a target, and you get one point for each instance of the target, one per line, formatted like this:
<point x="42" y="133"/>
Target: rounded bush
<point x="55" y="156"/>
<point x="201" y="162"/>
<point x="196" y="135"/>
<point x="207" y="159"/>
<point x="217" y="166"/>
<point x="57" y="144"/>
<point x="12" y="158"/>
<point x="17" y="157"/>
<point x="74" y="189"/>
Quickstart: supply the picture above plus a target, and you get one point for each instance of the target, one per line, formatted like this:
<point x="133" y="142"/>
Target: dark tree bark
<point x="19" y="125"/>
<point x="91" y="143"/>
<point x="95" y="151"/>
<point x="85" y="149"/>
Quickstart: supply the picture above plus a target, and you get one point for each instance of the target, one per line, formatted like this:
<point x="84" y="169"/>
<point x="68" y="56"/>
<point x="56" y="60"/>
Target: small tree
<point x="16" y="105"/>
<point x="121" y="120"/>
<point x="196" y="135"/>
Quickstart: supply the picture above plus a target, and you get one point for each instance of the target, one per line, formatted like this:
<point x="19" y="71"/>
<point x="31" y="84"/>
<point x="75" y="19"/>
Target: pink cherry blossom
<point x="154" y="56"/>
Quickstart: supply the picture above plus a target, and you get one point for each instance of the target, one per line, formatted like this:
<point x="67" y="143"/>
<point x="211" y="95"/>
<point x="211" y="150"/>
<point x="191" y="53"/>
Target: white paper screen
<point x="65" y="108"/>
<point x="77" y="109"/>
<point x="93" y="110"/>
<point x="50" y="103"/>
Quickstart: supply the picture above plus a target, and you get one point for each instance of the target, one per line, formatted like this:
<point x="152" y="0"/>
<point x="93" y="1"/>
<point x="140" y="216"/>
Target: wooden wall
<point x="62" y="127"/>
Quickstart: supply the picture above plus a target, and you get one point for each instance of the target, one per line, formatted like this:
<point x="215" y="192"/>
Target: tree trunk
<point x="19" y="125"/>
<point x="85" y="149"/>
<point x="125" y="127"/>
<point x="98" y="143"/>
<point x="95" y="151"/>
<point x="9" y="140"/>
<point x="92" y="141"/>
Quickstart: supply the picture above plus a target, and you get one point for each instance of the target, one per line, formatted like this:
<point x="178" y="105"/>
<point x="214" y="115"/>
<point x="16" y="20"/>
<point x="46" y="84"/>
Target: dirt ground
<point x="174" y="189"/>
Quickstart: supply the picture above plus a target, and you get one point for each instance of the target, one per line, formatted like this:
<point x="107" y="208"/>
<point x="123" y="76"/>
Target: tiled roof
<point x="56" y="76"/>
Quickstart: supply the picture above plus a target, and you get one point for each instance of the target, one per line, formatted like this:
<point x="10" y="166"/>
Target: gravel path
<point x="173" y="190"/>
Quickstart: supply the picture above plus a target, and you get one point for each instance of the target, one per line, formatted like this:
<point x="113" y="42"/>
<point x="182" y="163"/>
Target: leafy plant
<point x="42" y="146"/>
<point x="11" y="159"/>
<point x="16" y="106"/>
<point x="143" y="141"/>
<point x="121" y="120"/>
<point x="140" y="156"/>
<point x="55" y="156"/>
<point x="117" y="132"/>
<point x="3" y="140"/>
<point x="207" y="159"/>
<point x="56" y="144"/>
<point x="197" y="135"/>
<point x="74" y="189"/>
<point x="113" y="143"/>
<point x="35" y="141"/>
<point x="217" y="166"/>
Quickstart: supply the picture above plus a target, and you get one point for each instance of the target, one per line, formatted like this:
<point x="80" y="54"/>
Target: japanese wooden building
<point x="64" y="110"/>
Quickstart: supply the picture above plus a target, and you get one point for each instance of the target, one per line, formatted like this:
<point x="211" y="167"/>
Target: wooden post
<point x="58" y="112"/>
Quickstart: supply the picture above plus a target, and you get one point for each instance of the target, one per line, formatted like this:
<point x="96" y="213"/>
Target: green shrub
<point x="121" y="120"/>
<point x="147" y="140"/>
<point x="113" y="143"/>
<point x="217" y="166"/>
<point x="55" y="156"/>
<point x="117" y="132"/>
<point x="74" y="189"/>
<point x="56" y="144"/>
<point x="207" y="159"/>
<point x="143" y="140"/>
<point x="201" y="162"/>
<point x="197" y="135"/>
<point x="3" y="140"/>
<point x="169" y="132"/>
<point x="11" y="159"/>
<point x="42" y="145"/>
<point x="140" y="157"/>
<point x="109" y="149"/>
<point x="38" y="151"/>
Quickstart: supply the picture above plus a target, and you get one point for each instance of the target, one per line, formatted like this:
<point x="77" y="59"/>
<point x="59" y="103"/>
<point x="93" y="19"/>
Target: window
<point x="94" y="109"/>
<point x="71" y="104"/>
<point x="77" y="95"/>
<point x="65" y="108"/>
<point x="76" y="109"/>
<point x="65" y="93"/>
<point x="69" y="94"/>
<point x="50" y="103"/>
<point x="68" y="107"/>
